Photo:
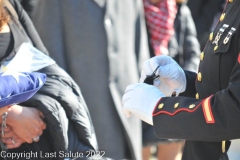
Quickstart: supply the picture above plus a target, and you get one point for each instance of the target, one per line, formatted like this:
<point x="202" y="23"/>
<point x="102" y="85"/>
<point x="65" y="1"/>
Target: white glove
<point x="171" y="76"/>
<point x="140" y="99"/>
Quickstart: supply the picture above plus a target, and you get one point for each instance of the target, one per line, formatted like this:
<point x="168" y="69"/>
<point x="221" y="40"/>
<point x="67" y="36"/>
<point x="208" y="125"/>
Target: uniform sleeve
<point x="28" y="26"/>
<point x="190" y="88"/>
<point x="214" y="118"/>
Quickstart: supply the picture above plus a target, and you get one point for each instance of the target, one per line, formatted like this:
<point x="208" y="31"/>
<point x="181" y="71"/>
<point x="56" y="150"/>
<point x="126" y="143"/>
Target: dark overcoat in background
<point x="100" y="43"/>
<point x="203" y="13"/>
<point x="184" y="47"/>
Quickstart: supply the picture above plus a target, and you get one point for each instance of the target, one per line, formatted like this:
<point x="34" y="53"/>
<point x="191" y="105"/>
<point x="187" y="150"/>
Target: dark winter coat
<point x="184" y="46"/>
<point x="69" y="125"/>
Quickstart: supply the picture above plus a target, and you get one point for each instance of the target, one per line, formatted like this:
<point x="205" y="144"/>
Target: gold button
<point x="230" y="1"/>
<point x="215" y="48"/>
<point x="176" y="105"/>
<point x="202" y="56"/>
<point x="197" y="96"/>
<point x="199" y="76"/>
<point x="160" y="106"/>
<point x="211" y="36"/>
<point x="191" y="106"/>
<point x="222" y="17"/>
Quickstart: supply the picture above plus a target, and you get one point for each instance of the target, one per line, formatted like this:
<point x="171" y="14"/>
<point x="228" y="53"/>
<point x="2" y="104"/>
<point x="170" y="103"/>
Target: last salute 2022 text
<point x="60" y="154"/>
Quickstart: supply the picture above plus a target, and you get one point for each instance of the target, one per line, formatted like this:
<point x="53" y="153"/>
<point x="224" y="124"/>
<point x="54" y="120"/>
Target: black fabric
<point x="39" y="150"/>
<point x="65" y="112"/>
<point x="203" y="13"/>
<point x="6" y="44"/>
<point x="197" y="149"/>
<point x="190" y="89"/>
<point x="25" y="32"/>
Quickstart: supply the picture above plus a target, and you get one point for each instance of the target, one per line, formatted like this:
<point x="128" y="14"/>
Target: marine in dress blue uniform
<point x="212" y="118"/>
<point x="207" y="112"/>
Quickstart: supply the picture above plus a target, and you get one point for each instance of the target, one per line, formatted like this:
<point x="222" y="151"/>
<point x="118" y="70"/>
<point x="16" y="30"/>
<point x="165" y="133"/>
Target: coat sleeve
<point x="28" y="26"/>
<point x="214" y="118"/>
<point x="190" y="89"/>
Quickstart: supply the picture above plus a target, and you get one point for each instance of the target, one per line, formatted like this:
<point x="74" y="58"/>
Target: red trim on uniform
<point x="207" y="110"/>
<point x="239" y="58"/>
<point x="156" y="106"/>
<point x="179" y="110"/>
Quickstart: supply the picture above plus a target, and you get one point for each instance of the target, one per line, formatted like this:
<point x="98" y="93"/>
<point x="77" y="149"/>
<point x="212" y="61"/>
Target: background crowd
<point x="102" y="44"/>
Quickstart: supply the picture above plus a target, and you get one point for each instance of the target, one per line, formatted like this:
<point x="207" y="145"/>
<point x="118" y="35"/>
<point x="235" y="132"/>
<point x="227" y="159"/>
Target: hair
<point x="4" y="16"/>
<point x="181" y="1"/>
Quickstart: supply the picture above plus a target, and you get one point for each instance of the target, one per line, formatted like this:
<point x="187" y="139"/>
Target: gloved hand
<point x="140" y="99"/>
<point x="171" y="76"/>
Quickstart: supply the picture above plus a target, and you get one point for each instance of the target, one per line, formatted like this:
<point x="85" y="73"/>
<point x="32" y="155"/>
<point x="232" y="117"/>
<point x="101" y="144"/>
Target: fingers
<point x="8" y="134"/>
<point x="166" y="64"/>
<point x="127" y="113"/>
<point x="129" y="91"/>
<point x="143" y="76"/>
<point x="37" y="132"/>
<point x="41" y="114"/>
<point x="10" y="139"/>
<point x="156" y="82"/>
<point x="13" y="142"/>
<point x="126" y="96"/>
<point x="27" y="123"/>
<point x="162" y="60"/>
<point x="130" y="88"/>
<point x="42" y="124"/>
<point x="169" y="71"/>
<point x="28" y="139"/>
<point x="154" y="64"/>
<point x="147" y="67"/>
<point x="6" y="129"/>
<point x="36" y="139"/>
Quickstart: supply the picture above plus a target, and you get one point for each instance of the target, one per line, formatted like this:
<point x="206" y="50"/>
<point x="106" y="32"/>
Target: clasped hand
<point x="171" y="76"/>
<point x="140" y="99"/>
<point x="24" y="124"/>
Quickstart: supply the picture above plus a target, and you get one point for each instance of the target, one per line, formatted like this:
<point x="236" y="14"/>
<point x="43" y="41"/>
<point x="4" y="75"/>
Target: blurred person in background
<point x="171" y="31"/>
<point x="29" y="5"/>
<point x="58" y="107"/>
<point x="100" y="43"/>
<point x="204" y="13"/>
